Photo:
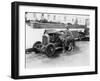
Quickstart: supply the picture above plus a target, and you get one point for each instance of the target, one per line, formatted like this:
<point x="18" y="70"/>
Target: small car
<point x="84" y="36"/>
<point x="53" y="40"/>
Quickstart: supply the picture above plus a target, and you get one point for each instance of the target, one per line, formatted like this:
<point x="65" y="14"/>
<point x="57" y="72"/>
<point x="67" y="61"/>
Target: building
<point x="59" y="18"/>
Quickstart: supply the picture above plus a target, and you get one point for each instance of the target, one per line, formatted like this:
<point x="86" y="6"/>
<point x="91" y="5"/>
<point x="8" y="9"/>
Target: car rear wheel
<point x="50" y="50"/>
<point x="69" y="48"/>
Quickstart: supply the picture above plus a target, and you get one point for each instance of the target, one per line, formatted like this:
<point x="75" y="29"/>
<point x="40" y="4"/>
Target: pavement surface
<point x="79" y="57"/>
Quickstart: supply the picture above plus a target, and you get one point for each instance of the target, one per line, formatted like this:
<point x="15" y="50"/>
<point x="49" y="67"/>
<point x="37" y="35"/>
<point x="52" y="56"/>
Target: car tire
<point x="37" y="46"/>
<point x="69" y="48"/>
<point x="50" y="50"/>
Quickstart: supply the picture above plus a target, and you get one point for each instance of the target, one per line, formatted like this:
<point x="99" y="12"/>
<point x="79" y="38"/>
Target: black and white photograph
<point x="51" y="40"/>
<point x="57" y="40"/>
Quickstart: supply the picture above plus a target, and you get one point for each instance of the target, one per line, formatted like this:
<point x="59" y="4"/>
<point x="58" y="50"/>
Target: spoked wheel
<point x="37" y="46"/>
<point x="69" y="48"/>
<point x="50" y="50"/>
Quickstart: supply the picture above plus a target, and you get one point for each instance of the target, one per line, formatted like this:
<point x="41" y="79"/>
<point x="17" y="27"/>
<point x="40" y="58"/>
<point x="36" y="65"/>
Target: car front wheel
<point x="50" y="50"/>
<point x="37" y="46"/>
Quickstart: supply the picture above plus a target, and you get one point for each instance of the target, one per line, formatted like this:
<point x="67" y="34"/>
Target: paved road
<point x="79" y="57"/>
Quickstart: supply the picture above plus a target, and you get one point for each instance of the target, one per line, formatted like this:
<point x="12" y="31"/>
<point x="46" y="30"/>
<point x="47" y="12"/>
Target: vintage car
<point x="52" y="40"/>
<point x="84" y="36"/>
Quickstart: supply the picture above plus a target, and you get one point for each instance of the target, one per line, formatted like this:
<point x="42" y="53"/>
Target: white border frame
<point x="23" y="71"/>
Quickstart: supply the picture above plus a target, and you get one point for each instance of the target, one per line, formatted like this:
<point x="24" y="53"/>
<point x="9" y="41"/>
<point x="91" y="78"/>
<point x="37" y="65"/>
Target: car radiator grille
<point x="45" y="40"/>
